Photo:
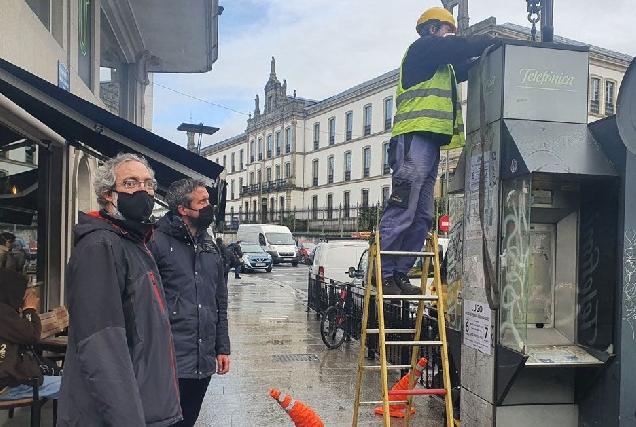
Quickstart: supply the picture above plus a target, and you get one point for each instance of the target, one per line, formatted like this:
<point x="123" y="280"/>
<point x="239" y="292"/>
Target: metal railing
<point x="323" y="293"/>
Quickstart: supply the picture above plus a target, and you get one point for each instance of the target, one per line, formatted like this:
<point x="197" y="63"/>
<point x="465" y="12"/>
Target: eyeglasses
<point x="133" y="184"/>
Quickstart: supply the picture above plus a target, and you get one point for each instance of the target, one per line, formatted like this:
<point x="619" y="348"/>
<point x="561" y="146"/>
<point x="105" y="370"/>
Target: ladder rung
<point x="413" y="343"/>
<point x="387" y="366"/>
<point x="379" y="402"/>
<point x="407" y="253"/>
<point x="391" y="331"/>
<point x="412" y="297"/>
<point x="418" y="392"/>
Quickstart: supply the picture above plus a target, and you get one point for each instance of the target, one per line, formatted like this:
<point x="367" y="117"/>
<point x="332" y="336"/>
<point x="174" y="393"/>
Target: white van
<point x="333" y="259"/>
<point x="276" y="240"/>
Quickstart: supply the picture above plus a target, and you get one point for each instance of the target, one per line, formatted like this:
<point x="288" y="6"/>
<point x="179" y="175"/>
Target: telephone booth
<point x="540" y="241"/>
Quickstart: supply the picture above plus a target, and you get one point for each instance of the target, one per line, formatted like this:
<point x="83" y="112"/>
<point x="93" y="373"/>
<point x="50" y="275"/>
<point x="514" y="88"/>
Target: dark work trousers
<point x="192" y="392"/>
<point x="408" y="215"/>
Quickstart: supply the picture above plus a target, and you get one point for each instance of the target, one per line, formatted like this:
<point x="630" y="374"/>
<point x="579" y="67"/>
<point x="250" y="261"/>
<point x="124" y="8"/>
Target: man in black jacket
<point x="192" y="273"/>
<point x="238" y="253"/>
<point x="119" y="368"/>
<point x="17" y="332"/>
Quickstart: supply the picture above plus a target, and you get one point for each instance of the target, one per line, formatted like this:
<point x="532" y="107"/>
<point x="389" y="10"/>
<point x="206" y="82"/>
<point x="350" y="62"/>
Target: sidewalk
<point x="269" y="321"/>
<point x="269" y="328"/>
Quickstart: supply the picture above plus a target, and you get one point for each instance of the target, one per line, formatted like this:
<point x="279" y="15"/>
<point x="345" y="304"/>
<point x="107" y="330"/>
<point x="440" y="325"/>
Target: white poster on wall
<point x="477" y="326"/>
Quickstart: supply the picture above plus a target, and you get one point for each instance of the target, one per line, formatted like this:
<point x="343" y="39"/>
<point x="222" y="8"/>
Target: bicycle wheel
<point x="332" y="327"/>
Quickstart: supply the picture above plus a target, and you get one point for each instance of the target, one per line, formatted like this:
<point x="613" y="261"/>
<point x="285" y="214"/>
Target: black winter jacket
<point x="16" y="332"/>
<point x="119" y="368"/>
<point x="192" y="273"/>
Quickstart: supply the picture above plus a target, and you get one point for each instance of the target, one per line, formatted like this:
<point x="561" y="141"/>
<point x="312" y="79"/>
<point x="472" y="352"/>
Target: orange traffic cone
<point x="399" y="411"/>
<point x="301" y="414"/>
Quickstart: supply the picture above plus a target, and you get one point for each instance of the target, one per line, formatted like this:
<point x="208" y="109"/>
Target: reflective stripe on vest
<point x="428" y="106"/>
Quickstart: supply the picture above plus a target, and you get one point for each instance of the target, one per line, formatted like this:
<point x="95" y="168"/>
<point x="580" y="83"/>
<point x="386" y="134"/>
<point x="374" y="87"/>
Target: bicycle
<point x="334" y="325"/>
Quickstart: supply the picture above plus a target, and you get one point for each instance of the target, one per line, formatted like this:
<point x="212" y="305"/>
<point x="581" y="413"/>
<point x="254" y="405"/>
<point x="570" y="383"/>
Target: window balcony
<point x="386" y="169"/>
<point x="315" y="181"/>
<point x="330" y="179"/>
<point x="347" y="176"/>
<point x="387" y="124"/>
<point x="366" y="173"/>
<point x="233" y="168"/>
<point x="278" y="151"/>
<point x="241" y="166"/>
<point x="609" y="109"/>
<point x="595" y="107"/>
<point x="260" y="156"/>
<point x="269" y="154"/>
<point x="367" y="130"/>
<point x="315" y="145"/>
<point x="348" y="136"/>
<point x="332" y="140"/>
<point x="288" y="149"/>
<point x="252" y="158"/>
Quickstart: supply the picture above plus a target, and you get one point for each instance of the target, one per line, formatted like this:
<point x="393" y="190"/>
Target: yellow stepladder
<point x="374" y="269"/>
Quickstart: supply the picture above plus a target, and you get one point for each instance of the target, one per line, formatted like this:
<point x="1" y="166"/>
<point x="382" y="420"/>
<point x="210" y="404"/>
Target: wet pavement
<point x="276" y="344"/>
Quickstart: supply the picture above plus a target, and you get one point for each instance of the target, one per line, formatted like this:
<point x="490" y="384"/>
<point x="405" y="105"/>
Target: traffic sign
<point x="444" y="223"/>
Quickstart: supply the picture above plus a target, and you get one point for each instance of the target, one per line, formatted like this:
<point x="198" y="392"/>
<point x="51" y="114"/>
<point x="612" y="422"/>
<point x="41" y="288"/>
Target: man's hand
<point x="31" y="300"/>
<point x="223" y="364"/>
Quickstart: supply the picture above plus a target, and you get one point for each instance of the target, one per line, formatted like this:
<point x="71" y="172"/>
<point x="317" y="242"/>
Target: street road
<point x="296" y="277"/>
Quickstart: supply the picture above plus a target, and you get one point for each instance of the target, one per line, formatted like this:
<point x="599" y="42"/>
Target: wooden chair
<point x="35" y="402"/>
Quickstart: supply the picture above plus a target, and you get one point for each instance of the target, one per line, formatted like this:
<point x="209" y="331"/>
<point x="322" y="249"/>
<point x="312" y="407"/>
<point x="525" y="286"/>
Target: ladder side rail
<point x="380" y="308"/>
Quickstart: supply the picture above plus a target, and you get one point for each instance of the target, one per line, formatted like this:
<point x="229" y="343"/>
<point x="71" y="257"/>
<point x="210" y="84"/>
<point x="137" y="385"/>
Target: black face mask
<point x="135" y="207"/>
<point x="205" y="218"/>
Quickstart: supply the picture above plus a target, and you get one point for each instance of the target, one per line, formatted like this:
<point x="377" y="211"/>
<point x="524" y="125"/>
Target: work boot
<point x="402" y="281"/>
<point x="389" y="287"/>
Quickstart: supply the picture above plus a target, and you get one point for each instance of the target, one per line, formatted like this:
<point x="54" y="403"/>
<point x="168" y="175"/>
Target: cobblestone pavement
<point x="276" y="344"/>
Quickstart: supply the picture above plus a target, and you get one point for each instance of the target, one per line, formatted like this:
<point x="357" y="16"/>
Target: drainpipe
<point x="547" y="21"/>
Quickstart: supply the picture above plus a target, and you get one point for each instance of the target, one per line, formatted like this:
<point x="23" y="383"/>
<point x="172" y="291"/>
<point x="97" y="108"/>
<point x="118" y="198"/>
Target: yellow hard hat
<point x="439" y="14"/>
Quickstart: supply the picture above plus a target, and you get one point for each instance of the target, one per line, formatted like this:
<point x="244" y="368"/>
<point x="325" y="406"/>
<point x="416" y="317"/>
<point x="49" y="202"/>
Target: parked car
<point x="333" y="259"/>
<point x="254" y="257"/>
<point x="276" y="240"/>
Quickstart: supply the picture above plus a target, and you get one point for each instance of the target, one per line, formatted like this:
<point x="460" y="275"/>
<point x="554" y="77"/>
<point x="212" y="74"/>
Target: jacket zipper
<point x="163" y="310"/>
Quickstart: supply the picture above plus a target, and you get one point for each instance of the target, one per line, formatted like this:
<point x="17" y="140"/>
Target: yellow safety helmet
<point x="439" y="14"/>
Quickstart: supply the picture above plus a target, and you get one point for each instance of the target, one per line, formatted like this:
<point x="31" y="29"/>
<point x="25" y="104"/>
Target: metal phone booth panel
<point x="548" y="219"/>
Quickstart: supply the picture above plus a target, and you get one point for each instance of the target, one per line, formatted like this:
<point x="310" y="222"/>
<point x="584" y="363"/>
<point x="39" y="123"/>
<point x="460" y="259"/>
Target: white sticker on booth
<point x="477" y="326"/>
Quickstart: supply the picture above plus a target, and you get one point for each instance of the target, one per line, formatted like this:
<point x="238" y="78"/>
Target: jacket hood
<point x="89" y="222"/>
<point x="12" y="288"/>
<point x="172" y="225"/>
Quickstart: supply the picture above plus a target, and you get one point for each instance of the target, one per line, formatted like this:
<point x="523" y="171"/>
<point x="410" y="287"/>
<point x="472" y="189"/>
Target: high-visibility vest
<point x="428" y="107"/>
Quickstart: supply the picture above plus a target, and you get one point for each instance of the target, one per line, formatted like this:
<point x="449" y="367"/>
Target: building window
<point x="288" y="140"/>
<point x="269" y="146"/>
<point x="345" y="204"/>
<point x="251" y="178"/>
<point x="365" y="198"/>
<point x="348" y="125"/>
<point x="609" y="97"/>
<point x="314" y="207"/>
<point x="332" y="130"/>
<point x="232" y="189"/>
<point x="367" y="120"/>
<point x="217" y="161"/>
<point x="366" y="155"/>
<point x="347" y="166"/>
<point x="281" y="204"/>
<point x="388" y="113"/>
<point x="259" y="175"/>
<point x="254" y="210"/>
<point x="386" y="169"/>
<point x="288" y="170"/>
<point x="85" y="42"/>
<point x="268" y="174"/>
<point x="260" y="148"/>
<point x="241" y="165"/>
<point x="240" y="189"/>
<point x="232" y="162"/>
<point x="277" y="172"/>
<point x="316" y="135"/>
<point x="224" y="161"/>
<point x="251" y="151"/>
<point x="278" y="143"/>
<point x="315" y="173"/>
<point x="386" y="191"/>
<point x="272" y="208"/>
<point x="330" y="169"/>
<point x="595" y="95"/>
<point x="329" y="206"/>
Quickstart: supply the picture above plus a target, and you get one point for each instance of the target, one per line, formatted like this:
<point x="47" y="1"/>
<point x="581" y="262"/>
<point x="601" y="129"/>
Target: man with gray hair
<point x="193" y="276"/>
<point x="119" y="368"/>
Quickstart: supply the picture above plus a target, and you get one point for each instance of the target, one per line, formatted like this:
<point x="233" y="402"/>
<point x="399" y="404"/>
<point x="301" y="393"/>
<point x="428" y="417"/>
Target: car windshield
<point x="251" y="248"/>
<point x="280" y="239"/>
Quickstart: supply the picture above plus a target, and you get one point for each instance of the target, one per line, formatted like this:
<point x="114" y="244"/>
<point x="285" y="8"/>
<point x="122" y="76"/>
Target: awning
<point x="83" y="123"/>
<point x="551" y="147"/>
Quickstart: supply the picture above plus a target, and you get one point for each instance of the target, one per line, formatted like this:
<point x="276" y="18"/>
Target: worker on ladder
<point x="428" y="117"/>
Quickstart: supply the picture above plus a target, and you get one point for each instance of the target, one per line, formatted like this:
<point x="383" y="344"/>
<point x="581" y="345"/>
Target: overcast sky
<point x="323" y="47"/>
